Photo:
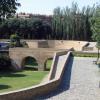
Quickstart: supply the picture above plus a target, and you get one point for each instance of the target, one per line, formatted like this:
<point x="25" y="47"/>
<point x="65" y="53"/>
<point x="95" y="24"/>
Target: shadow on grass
<point x="10" y="74"/>
<point x="2" y="87"/>
<point x="47" y="69"/>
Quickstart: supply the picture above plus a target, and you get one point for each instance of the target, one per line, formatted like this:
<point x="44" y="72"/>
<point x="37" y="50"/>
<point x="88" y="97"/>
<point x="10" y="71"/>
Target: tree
<point x="8" y="8"/>
<point x="95" y="21"/>
<point x="47" y="30"/>
<point x="13" y="25"/>
<point x="15" y="40"/>
<point x="38" y="29"/>
<point x="26" y="28"/>
<point x="98" y="46"/>
<point x="72" y="23"/>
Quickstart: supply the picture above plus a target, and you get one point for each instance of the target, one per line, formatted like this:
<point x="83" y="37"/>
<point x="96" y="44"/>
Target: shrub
<point x="15" y="41"/>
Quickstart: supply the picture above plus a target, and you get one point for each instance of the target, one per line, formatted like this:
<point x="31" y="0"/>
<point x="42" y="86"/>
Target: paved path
<point x="80" y="81"/>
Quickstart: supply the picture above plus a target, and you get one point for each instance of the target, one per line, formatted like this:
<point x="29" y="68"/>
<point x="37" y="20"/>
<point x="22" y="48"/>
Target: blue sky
<point x="47" y="6"/>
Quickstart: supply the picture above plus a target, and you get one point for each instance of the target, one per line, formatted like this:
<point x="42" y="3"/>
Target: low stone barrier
<point x="54" y="65"/>
<point x="43" y="88"/>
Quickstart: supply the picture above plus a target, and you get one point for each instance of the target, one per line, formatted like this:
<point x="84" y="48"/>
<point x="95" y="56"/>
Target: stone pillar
<point x="16" y="63"/>
<point x="41" y="66"/>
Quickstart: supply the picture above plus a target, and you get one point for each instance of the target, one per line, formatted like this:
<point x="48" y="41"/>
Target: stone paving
<point x="80" y="81"/>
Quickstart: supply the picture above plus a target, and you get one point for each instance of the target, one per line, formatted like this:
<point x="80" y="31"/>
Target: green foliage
<point x="12" y="44"/>
<point x="26" y="28"/>
<point x="96" y="24"/>
<point x="8" y="8"/>
<point x="67" y="23"/>
<point x="72" y="23"/>
<point x="96" y="28"/>
<point x="15" y="40"/>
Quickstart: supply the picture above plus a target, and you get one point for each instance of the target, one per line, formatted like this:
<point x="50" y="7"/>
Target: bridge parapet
<point x="17" y="55"/>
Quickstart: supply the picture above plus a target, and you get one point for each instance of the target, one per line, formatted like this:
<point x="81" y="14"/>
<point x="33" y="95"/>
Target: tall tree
<point x="72" y="23"/>
<point x="96" y="28"/>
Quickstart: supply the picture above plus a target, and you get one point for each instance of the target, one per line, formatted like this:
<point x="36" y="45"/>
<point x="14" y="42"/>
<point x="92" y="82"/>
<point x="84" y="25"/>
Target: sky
<point x="47" y="6"/>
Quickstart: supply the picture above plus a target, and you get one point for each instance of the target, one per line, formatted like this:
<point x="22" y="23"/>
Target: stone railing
<point x="55" y="68"/>
<point x="43" y="88"/>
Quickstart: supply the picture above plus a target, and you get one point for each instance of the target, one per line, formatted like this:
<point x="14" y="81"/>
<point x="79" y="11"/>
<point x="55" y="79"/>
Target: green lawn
<point x="49" y="63"/>
<point x="17" y="80"/>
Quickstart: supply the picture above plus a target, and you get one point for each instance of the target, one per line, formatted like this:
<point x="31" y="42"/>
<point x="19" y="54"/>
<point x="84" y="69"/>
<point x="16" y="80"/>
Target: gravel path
<point x="80" y="81"/>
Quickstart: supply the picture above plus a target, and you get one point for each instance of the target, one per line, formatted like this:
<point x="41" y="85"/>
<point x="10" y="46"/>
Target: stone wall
<point x="18" y="55"/>
<point x="58" y="44"/>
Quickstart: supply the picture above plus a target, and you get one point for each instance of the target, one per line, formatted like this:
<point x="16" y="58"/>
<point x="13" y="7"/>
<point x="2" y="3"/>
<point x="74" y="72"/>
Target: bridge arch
<point x="18" y="56"/>
<point x="29" y="62"/>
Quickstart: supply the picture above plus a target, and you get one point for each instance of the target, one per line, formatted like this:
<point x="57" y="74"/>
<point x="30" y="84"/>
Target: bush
<point x="15" y="41"/>
<point x="12" y="44"/>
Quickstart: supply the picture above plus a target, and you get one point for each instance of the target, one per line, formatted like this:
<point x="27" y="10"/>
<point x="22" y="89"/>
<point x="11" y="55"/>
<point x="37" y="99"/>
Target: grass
<point x="79" y="54"/>
<point x="17" y="80"/>
<point x="48" y="64"/>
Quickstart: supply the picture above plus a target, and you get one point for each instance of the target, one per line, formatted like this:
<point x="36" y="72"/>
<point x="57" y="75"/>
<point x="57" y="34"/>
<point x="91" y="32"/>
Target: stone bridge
<point x="41" y="51"/>
<point x="41" y="55"/>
